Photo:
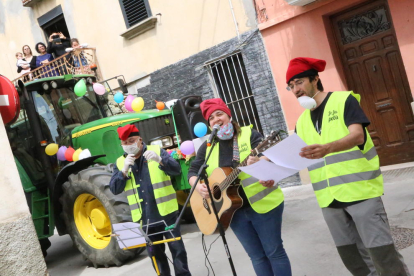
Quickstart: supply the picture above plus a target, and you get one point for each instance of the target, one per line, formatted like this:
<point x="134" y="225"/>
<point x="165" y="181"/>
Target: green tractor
<point x="74" y="197"/>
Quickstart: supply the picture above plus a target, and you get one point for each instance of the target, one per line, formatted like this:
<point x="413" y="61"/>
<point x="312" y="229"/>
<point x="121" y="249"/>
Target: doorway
<point x="54" y="21"/>
<point x="373" y="67"/>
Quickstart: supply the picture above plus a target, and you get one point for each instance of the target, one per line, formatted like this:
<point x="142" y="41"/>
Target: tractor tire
<point x="89" y="210"/>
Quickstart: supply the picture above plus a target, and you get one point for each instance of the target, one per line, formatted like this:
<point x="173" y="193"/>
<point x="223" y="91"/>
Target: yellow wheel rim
<point x="92" y="221"/>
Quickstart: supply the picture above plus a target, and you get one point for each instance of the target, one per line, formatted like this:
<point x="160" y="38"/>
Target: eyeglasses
<point x="290" y="87"/>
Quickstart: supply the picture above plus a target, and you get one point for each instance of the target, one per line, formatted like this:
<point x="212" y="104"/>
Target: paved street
<point x="306" y="237"/>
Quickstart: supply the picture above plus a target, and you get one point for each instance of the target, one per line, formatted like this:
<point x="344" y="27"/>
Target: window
<point x="233" y="87"/>
<point x="135" y="11"/>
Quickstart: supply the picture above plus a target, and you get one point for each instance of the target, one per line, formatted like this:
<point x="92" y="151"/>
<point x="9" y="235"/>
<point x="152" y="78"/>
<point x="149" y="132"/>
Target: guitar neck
<point x="235" y="173"/>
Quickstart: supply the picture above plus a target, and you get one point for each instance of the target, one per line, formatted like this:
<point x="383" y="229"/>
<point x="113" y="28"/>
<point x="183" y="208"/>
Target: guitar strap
<point x="236" y="154"/>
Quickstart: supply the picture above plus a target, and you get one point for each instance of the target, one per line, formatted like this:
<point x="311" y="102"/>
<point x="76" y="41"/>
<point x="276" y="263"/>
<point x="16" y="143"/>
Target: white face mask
<point x="307" y="102"/>
<point x="132" y="149"/>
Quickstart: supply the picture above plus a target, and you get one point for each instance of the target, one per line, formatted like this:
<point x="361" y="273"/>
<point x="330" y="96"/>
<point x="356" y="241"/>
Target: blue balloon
<point x="119" y="97"/>
<point x="200" y="129"/>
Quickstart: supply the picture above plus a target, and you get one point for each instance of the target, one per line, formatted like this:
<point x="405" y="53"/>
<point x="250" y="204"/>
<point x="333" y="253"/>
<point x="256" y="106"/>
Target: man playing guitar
<point x="258" y="222"/>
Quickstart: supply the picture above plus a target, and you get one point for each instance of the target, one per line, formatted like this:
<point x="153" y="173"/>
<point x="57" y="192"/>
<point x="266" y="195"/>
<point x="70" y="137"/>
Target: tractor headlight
<point x="163" y="142"/>
<point x="175" y="139"/>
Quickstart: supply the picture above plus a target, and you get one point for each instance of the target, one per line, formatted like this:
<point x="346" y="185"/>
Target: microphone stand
<point x="202" y="174"/>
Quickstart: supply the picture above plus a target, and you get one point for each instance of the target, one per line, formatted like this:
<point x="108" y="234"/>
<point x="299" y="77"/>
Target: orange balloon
<point x="160" y="105"/>
<point x="93" y="66"/>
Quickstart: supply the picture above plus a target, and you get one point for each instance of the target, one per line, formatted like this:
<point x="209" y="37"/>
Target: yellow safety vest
<point x="346" y="176"/>
<point x="261" y="199"/>
<point x="164" y="192"/>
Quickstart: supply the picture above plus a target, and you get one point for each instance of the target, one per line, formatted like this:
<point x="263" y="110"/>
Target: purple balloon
<point x="128" y="102"/>
<point x="61" y="153"/>
<point x="187" y="147"/>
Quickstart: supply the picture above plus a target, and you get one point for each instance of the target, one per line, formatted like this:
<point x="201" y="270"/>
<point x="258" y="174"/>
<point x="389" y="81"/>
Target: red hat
<point x="127" y="131"/>
<point x="303" y="67"/>
<point x="211" y="105"/>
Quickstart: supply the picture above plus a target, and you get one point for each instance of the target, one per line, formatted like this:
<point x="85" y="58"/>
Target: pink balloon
<point x="128" y="102"/>
<point x="187" y="147"/>
<point x="99" y="88"/>
<point x="61" y="153"/>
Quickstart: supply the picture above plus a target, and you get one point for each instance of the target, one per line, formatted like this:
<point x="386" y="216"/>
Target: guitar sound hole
<point x="216" y="192"/>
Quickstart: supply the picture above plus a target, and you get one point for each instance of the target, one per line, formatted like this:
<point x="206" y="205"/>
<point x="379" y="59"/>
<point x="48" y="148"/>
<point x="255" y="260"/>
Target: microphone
<point x="213" y="135"/>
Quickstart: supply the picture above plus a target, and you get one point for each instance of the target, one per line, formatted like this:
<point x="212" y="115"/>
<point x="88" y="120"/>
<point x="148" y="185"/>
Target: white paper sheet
<point x="129" y="234"/>
<point x="286" y="160"/>
<point x="265" y="170"/>
<point x="286" y="153"/>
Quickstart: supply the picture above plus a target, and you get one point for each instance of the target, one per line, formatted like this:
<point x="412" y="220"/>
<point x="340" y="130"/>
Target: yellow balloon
<point x="52" y="149"/>
<point x="75" y="156"/>
<point x="137" y="104"/>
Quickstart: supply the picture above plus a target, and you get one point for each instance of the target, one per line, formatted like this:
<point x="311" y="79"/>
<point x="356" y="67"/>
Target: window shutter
<point x="135" y="11"/>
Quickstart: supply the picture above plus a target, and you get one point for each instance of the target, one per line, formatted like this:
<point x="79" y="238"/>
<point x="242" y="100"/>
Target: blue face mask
<point x="226" y="132"/>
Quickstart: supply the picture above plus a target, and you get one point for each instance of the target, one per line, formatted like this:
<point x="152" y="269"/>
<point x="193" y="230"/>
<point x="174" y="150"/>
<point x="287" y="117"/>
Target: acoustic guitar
<point x="225" y="193"/>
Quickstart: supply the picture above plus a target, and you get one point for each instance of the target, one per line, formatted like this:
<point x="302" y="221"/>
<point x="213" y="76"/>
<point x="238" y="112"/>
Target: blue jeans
<point x="260" y="235"/>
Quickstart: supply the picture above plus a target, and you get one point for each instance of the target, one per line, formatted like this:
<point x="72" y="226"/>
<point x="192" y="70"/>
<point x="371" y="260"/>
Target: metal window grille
<point x="135" y="11"/>
<point x="232" y="86"/>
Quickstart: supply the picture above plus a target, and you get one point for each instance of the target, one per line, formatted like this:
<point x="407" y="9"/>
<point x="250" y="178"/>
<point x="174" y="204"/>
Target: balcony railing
<point x="79" y="61"/>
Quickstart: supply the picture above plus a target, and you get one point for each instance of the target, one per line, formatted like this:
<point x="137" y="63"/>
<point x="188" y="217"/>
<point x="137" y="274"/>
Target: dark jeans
<point x="260" y="235"/>
<point x="177" y="249"/>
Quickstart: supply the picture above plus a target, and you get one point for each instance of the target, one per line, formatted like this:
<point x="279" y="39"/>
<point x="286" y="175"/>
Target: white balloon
<point x="85" y="154"/>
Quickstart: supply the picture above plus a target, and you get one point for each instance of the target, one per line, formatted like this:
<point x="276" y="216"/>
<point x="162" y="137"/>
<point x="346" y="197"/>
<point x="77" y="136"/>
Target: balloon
<point x="119" y="97"/>
<point x="69" y="154"/>
<point x="80" y="88"/>
<point x="137" y="104"/>
<point x="160" y="105"/>
<point x="52" y="149"/>
<point x="99" y="88"/>
<point x="200" y="129"/>
<point x="128" y="102"/>
<point x="75" y="156"/>
<point x="61" y="153"/>
<point x="187" y="147"/>
<point x="93" y="66"/>
<point x="85" y="154"/>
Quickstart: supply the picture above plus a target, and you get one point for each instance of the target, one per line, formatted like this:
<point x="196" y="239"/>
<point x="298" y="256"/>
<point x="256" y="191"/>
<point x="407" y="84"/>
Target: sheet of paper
<point x="129" y="234"/>
<point x="265" y="170"/>
<point x="286" y="154"/>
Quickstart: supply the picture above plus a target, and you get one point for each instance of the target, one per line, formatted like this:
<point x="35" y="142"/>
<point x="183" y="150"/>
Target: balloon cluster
<point x="134" y="103"/>
<point x="187" y="147"/>
<point x="80" y="88"/>
<point x="67" y="153"/>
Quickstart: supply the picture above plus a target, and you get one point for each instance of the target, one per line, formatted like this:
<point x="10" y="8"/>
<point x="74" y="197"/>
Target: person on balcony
<point x="79" y="57"/>
<point x="29" y="57"/>
<point x="56" y="46"/>
<point x="42" y="59"/>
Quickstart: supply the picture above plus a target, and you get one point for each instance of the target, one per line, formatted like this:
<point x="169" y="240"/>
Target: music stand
<point x="202" y="174"/>
<point x="130" y="235"/>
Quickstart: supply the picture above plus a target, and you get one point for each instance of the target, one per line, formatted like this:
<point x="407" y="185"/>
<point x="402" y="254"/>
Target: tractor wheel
<point x="89" y="209"/>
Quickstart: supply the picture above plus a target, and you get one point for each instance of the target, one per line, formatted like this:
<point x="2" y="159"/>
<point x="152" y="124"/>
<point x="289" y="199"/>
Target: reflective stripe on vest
<point x="131" y="192"/>
<point x="261" y="199"/>
<point x="357" y="169"/>
<point x="164" y="192"/>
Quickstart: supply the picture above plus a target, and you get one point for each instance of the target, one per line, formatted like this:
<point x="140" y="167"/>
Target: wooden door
<point x="374" y="69"/>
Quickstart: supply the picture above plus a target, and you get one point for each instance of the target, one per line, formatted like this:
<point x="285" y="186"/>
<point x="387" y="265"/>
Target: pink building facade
<point x="368" y="47"/>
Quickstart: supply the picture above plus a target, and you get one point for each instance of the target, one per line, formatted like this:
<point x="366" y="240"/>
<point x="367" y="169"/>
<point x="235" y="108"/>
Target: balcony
<point x="77" y="62"/>
<point x="30" y="3"/>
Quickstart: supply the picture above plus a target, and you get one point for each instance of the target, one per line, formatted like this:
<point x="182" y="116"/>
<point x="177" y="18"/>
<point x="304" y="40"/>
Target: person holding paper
<point x="348" y="184"/>
<point x="257" y="224"/>
<point x="142" y="173"/>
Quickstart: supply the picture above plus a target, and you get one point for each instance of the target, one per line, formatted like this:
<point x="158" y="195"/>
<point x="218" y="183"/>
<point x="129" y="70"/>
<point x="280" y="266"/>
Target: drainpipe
<point x="234" y="19"/>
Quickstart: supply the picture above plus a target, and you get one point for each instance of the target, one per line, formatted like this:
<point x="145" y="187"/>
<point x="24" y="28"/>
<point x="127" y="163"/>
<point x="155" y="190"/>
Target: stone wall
<point x="190" y="77"/>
